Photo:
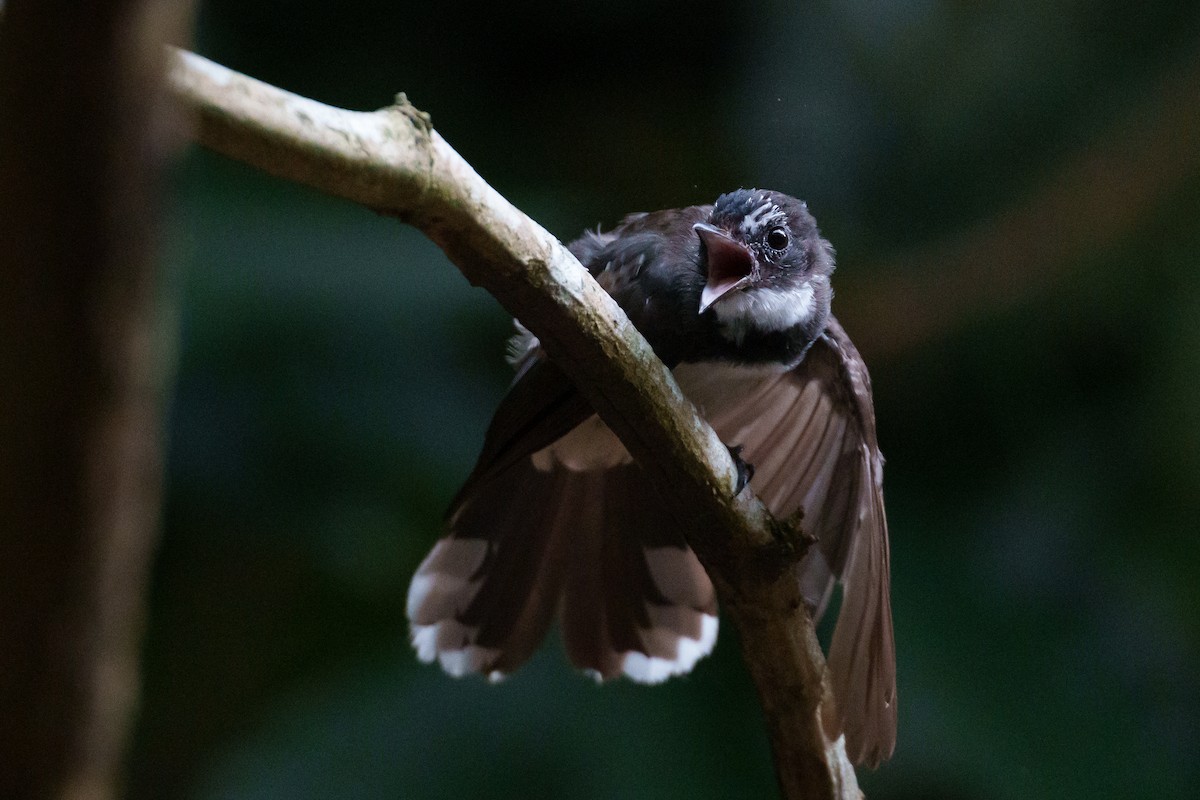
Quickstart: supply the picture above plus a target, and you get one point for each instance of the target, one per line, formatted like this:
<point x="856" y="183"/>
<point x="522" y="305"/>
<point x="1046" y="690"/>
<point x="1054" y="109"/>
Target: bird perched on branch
<point x="557" y="518"/>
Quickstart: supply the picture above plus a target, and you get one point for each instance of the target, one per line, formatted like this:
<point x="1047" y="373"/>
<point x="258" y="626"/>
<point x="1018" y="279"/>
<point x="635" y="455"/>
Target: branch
<point x="394" y="162"/>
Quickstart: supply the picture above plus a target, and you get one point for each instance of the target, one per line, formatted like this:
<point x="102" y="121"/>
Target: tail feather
<point x="646" y="609"/>
<point x="483" y="599"/>
<point x="597" y="546"/>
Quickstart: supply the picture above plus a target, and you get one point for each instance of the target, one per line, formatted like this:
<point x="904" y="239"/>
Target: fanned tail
<point x="596" y="545"/>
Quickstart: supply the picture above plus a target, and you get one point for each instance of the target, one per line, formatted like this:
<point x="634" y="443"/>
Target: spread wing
<point x="555" y="517"/>
<point x="810" y="435"/>
<point x="541" y="407"/>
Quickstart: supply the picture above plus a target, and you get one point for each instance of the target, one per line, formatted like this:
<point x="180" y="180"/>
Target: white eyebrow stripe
<point x="756" y="218"/>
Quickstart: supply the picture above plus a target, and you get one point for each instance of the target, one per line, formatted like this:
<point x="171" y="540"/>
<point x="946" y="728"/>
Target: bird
<point x="557" y="519"/>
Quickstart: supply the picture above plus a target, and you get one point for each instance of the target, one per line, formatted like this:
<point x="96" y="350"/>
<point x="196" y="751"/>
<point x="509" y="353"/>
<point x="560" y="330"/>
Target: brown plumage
<point x="556" y="518"/>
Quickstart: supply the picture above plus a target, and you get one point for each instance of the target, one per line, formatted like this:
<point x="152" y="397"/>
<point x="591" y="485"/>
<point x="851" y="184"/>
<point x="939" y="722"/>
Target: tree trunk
<point x="82" y="140"/>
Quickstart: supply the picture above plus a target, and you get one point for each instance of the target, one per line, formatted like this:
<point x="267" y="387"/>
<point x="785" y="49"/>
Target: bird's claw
<point x="745" y="471"/>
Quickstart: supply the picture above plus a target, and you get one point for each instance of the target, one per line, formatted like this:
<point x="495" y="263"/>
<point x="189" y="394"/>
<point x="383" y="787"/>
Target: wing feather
<point x="810" y="434"/>
<point x="540" y="408"/>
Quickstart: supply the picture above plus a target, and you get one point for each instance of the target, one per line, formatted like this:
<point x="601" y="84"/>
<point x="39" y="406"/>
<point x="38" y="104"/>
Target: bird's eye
<point x="778" y="239"/>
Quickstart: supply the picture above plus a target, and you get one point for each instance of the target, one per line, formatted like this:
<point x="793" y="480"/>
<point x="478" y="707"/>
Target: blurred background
<point x="1014" y="192"/>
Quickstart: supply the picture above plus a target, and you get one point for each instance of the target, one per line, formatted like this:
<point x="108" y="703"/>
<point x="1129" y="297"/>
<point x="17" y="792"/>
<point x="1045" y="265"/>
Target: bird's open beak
<point x="730" y="264"/>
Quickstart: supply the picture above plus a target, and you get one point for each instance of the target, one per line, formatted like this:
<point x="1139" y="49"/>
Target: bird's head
<point x="766" y="265"/>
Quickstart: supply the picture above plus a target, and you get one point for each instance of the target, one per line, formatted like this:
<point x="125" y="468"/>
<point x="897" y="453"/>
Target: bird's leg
<point x="745" y="471"/>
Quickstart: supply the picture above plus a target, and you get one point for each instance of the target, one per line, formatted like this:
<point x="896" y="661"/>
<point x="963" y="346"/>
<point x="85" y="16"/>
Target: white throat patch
<point x="765" y="310"/>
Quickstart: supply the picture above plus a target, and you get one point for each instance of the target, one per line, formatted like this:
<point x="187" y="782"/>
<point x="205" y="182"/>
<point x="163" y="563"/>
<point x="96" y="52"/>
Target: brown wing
<point x="541" y="407"/>
<point x="556" y="516"/>
<point x="810" y="435"/>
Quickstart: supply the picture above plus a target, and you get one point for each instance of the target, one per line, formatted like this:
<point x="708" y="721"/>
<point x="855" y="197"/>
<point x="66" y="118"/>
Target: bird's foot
<point x="745" y="471"/>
